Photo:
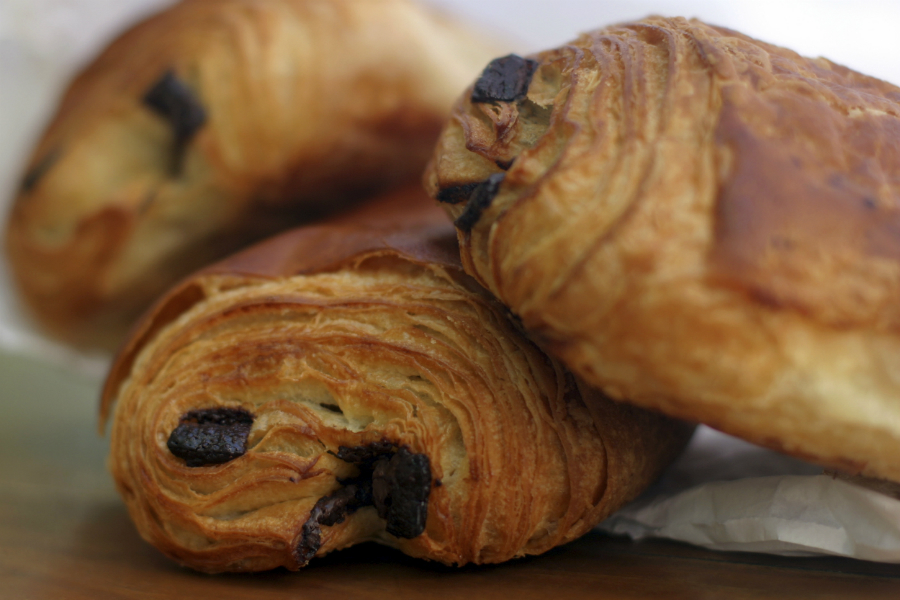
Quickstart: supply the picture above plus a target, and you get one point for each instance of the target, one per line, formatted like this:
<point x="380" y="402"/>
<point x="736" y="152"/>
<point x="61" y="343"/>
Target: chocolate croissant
<point x="213" y="124"/>
<point x="347" y="382"/>
<point x="697" y="222"/>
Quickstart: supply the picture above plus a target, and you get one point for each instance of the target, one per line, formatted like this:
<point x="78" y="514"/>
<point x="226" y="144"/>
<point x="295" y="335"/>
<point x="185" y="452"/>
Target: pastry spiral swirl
<point x="213" y="124"/>
<point x="697" y="222"/>
<point x="342" y="383"/>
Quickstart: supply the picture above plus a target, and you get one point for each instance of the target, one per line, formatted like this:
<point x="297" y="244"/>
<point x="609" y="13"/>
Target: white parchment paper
<point x="726" y="494"/>
<point x="723" y="493"/>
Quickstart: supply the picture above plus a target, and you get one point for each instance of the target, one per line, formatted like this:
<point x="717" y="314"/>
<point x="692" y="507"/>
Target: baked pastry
<point x="343" y="383"/>
<point x="697" y="222"/>
<point x="213" y="124"/>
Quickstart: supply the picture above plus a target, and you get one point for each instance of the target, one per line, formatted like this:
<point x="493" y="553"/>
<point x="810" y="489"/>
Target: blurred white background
<point x="42" y="43"/>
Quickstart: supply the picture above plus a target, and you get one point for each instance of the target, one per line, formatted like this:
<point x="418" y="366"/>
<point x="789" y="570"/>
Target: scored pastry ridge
<point x="702" y="223"/>
<point x="391" y="399"/>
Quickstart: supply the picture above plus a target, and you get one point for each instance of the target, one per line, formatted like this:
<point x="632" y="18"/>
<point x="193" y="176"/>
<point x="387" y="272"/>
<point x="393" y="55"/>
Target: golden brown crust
<point x="401" y="221"/>
<point x="704" y="224"/>
<point x="279" y="111"/>
<point x="383" y="340"/>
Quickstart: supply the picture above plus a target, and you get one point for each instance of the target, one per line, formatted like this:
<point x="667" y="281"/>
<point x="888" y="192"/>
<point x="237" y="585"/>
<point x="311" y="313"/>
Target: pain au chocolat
<point x="213" y="124"/>
<point x="697" y="222"/>
<point x="348" y="382"/>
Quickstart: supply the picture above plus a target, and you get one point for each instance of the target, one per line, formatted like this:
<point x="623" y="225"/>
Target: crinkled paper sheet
<point x="726" y="494"/>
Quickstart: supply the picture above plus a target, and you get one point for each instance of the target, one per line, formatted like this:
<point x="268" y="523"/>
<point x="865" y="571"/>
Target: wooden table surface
<point x="64" y="534"/>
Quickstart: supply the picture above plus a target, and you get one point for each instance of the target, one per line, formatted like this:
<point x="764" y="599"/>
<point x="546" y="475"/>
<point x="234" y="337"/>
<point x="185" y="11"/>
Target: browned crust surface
<point x="364" y="331"/>
<point x="307" y="105"/>
<point x="705" y="224"/>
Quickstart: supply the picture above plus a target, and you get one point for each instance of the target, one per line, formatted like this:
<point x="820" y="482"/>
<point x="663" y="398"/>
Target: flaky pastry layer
<point x="697" y="222"/>
<point x="345" y="383"/>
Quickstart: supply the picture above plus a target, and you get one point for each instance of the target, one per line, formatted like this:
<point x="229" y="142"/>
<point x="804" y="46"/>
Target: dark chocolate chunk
<point x="396" y="482"/>
<point x="479" y="202"/>
<point x="170" y="98"/>
<point x="211" y="436"/>
<point x="310" y="540"/>
<point x="345" y="501"/>
<point x="505" y="79"/>
<point x="400" y="488"/>
<point x="361" y="455"/>
<point x="40" y="169"/>
<point x="457" y="193"/>
<point x="331" y="510"/>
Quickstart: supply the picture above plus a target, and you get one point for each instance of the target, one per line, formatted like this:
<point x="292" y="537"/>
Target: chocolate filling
<point x="211" y="436"/>
<point x="393" y="480"/>
<point x="173" y="100"/>
<point x="38" y="171"/>
<point x="479" y="201"/>
<point x="329" y="511"/>
<point x="400" y="488"/>
<point x="363" y="456"/>
<point x="457" y="193"/>
<point x="505" y="79"/>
